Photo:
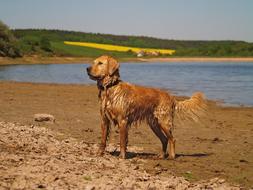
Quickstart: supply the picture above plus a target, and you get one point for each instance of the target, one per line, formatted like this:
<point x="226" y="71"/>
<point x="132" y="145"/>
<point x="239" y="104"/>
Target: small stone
<point x="90" y="187"/>
<point x="41" y="186"/>
<point x="40" y="117"/>
<point x="221" y="181"/>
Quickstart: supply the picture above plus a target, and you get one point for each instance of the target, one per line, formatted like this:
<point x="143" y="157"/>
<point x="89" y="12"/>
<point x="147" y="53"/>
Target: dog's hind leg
<point x="163" y="138"/>
<point x="123" y="138"/>
<point x="172" y="143"/>
<point x="167" y="126"/>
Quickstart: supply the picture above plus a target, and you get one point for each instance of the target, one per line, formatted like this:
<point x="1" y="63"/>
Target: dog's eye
<point x="100" y="63"/>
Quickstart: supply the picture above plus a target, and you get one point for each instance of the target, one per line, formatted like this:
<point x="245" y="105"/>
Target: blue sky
<point x="171" y="19"/>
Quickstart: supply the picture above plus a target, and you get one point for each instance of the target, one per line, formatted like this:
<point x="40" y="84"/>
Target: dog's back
<point x="139" y="103"/>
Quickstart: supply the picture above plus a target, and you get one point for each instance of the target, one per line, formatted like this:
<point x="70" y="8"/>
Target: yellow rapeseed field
<point x="119" y="48"/>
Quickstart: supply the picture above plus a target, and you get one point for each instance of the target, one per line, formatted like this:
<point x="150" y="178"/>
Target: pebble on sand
<point x="40" y="117"/>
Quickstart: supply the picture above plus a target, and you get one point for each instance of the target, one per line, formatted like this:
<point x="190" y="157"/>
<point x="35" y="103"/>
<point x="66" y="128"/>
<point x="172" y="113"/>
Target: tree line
<point x="20" y="42"/>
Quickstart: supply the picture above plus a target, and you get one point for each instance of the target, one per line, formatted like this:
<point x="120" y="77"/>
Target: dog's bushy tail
<point x="191" y="109"/>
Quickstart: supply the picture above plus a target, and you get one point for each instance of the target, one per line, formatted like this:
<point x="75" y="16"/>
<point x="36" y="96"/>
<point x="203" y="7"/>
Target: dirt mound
<point x="31" y="157"/>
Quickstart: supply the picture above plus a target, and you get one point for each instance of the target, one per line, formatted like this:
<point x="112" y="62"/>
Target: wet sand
<point x="219" y="146"/>
<point x="43" y="60"/>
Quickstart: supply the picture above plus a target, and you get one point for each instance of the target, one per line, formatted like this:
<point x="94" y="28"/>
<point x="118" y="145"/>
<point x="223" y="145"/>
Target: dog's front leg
<point x="105" y="127"/>
<point x="123" y="138"/>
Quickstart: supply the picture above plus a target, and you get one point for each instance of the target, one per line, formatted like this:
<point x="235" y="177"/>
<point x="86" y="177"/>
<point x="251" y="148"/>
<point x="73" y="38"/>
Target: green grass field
<point x="62" y="49"/>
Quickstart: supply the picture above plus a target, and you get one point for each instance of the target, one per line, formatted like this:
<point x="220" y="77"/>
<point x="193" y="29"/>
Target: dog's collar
<point x="111" y="84"/>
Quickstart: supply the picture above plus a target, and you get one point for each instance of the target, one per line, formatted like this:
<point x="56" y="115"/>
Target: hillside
<point x="51" y="43"/>
<point x="31" y="39"/>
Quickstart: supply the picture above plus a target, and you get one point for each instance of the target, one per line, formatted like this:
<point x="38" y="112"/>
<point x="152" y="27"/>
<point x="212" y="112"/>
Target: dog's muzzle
<point x="92" y="77"/>
<point x="88" y="70"/>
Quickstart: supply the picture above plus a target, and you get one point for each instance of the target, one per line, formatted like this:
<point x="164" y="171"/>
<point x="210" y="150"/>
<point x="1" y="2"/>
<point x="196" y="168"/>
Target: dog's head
<point x="102" y="67"/>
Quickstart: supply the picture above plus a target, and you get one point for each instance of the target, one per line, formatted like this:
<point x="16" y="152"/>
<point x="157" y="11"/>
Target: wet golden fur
<point x="124" y="104"/>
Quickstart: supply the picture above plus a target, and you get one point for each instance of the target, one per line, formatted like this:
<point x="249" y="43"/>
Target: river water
<point x="231" y="83"/>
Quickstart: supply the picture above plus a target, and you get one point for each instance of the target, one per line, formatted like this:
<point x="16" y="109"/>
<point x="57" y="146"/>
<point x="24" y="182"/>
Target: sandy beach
<point x="43" y="60"/>
<point x="65" y="60"/>
<point x="219" y="146"/>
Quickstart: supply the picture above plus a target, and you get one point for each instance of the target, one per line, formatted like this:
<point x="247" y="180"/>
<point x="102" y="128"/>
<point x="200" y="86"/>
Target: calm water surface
<point x="228" y="82"/>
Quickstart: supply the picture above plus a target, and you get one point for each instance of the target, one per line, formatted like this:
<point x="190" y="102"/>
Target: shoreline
<point x="199" y="59"/>
<point x="66" y="60"/>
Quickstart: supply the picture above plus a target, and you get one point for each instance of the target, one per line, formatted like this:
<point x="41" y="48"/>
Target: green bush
<point x="8" y="43"/>
<point x="45" y="44"/>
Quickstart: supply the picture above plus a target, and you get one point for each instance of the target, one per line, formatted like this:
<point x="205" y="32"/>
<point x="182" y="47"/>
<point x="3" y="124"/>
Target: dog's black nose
<point x="88" y="69"/>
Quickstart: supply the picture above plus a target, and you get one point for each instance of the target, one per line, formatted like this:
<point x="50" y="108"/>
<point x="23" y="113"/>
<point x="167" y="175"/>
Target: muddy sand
<point x="217" y="152"/>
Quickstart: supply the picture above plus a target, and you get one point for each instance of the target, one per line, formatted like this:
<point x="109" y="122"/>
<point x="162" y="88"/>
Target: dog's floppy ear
<point x="113" y="65"/>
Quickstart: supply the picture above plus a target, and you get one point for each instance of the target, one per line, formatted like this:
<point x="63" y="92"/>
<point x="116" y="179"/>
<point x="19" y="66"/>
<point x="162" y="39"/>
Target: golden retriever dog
<point x="124" y="104"/>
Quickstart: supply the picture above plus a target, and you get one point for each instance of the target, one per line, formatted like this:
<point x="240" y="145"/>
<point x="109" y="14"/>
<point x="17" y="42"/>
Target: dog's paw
<point x="162" y="156"/>
<point x="122" y="155"/>
<point x="172" y="157"/>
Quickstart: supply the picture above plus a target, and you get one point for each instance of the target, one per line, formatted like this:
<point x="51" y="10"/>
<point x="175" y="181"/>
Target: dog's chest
<point x="108" y="108"/>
